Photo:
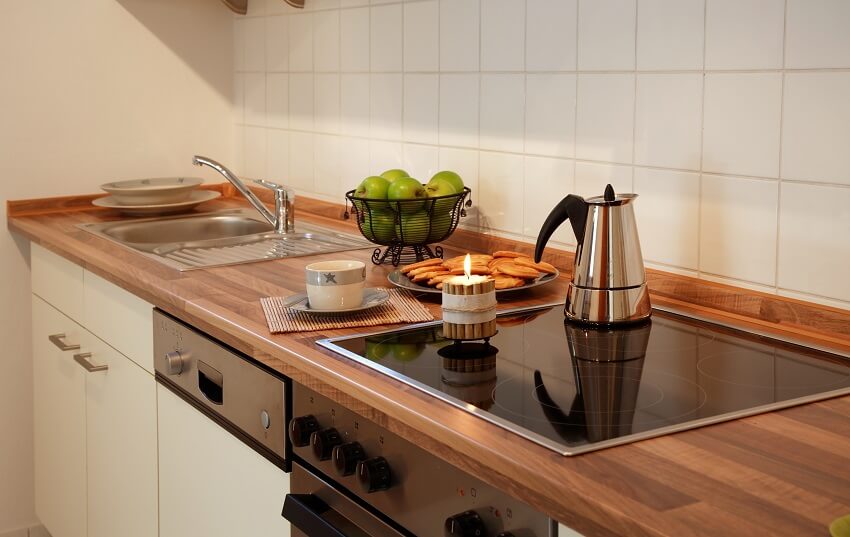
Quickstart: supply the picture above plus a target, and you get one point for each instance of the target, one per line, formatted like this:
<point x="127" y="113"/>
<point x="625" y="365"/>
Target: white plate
<point x="155" y="191"/>
<point x="400" y="280"/>
<point x="372" y="298"/>
<point x="196" y="197"/>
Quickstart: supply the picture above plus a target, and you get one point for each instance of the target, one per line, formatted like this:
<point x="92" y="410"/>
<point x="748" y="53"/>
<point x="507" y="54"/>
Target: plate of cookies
<point x="512" y="271"/>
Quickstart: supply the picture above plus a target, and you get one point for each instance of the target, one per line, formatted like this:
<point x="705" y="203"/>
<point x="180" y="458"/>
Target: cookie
<point x="518" y="271"/>
<point x="425" y="276"/>
<point x="541" y="266"/>
<point x="507" y="282"/>
<point x="508" y="253"/>
<point x="474" y="269"/>
<point x="439" y="279"/>
<point x="427" y="263"/>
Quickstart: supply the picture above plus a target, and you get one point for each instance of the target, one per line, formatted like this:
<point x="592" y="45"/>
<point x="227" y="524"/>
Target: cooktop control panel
<point x="417" y="490"/>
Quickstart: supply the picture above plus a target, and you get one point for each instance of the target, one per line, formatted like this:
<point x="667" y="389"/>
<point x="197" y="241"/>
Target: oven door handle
<point x="305" y="511"/>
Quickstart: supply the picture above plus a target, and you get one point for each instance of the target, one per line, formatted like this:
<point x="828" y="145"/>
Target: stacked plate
<point x="164" y="195"/>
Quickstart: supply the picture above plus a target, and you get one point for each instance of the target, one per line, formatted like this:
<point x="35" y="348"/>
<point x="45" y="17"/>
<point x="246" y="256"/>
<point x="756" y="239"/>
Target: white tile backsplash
<point x="422" y="36"/>
<point x="667" y="212"/>
<point x="738" y="228"/>
<point x="816" y="134"/>
<point x="500" y="191"/>
<point x="741" y="128"/>
<point x="668" y="115"/>
<point x="460" y="22"/>
<point x="459" y="98"/>
<point x="277" y="44"/>
<point x="547" y="181"/>
<point x="744" y="34"/>
<point x="550" y="35"/>
<point x="421" y="107"/>
<point x="728" y="120"/>
<point x="326" y="103"/>
<point x="386" y="106"/>
<point x="301" y="42"/>
<point x="813" y="243"/>
<point x="385" y="38"/>
<point x="670" y="34"/>
<point x="606" y="35"/>
<point x="277" y="100"/>
<point x="354" y="40"/>
<point x="502" y="112"/>
<point x="817" y="34"/>
<point x="502" y="35"/>
<point x="550" y="114"/>
<point x="605" y="117"/>
<point x="326" y="41"/>
<point x="255" y="99"/>
<point x="301" y="98"/>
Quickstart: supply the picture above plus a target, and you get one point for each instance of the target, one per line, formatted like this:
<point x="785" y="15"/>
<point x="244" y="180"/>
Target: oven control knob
<point x="374" y="474"/>
<point x="505" y="534"/>
<point x="346" y="456"/>
<point x="301" y="428"/>
<point x="324" y="442"/>
<point x="466" y="524"/>
<point x="174" y="362"/>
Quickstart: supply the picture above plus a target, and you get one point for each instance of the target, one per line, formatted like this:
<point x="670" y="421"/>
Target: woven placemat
<point x="402" y="307"/>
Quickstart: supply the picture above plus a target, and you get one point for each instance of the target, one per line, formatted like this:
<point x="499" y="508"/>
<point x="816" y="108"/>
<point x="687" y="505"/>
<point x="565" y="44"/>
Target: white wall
<point x="730" y="118"/>
<point x="92" y="91"/>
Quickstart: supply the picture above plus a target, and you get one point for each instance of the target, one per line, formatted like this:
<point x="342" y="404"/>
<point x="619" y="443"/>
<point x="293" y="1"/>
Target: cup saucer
<point x="372" y="298"/>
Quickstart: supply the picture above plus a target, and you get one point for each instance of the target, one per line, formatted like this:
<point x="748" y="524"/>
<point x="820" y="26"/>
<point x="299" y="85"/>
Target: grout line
<point x="781" y="135"/>
<point x="634" y="100"/>
<point x="701" y="140"/>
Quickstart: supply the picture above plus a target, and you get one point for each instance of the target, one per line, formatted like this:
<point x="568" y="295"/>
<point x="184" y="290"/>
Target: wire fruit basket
<point x="408" y="227"/>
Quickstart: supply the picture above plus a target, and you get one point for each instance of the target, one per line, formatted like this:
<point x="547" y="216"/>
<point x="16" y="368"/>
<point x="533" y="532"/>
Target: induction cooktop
<point x="574" y="389"/>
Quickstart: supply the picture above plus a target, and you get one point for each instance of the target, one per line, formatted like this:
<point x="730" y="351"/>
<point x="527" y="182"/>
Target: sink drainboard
<point x="256" y="249"/>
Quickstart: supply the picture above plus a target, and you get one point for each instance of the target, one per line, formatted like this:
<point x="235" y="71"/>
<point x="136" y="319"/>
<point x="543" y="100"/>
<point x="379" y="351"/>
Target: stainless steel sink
<point x="221" y="238"/>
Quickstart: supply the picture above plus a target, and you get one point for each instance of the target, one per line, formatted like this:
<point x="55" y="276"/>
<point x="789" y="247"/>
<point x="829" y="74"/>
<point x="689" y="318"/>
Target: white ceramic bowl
<point x="155" y="191"/>
<point x="335" y="285"/>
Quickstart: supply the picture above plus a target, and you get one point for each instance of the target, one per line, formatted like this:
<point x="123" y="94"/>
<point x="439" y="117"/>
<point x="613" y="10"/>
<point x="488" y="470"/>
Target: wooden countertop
<point x="786" y="473"/>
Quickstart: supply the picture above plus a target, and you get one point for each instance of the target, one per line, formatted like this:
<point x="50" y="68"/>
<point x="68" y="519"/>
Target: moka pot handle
<point x="573" y="208"/>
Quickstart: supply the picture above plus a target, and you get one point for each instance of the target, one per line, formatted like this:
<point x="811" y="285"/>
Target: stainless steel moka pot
<point x="609" y="281"/>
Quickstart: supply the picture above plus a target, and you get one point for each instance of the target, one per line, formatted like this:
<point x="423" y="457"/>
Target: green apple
<point x="406" y="188"/>
<point x="374" y="187"/>
<point x="392" y="175"/>
<point x="379" y="225"/>
<point x="376" y="348"/>
<point x="413" y="228"/>
<point x="451" y="177"/>
<point x="407" y="352"/>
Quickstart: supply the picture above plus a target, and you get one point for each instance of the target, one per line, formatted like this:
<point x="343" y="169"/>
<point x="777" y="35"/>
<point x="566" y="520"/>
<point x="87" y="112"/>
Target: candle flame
<point x="467" y="265"/>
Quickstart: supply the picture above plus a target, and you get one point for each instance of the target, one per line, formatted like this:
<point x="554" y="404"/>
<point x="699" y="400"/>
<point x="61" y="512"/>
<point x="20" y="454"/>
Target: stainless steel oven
<point x="316" y="508"/>
<point x="352" y="477"/>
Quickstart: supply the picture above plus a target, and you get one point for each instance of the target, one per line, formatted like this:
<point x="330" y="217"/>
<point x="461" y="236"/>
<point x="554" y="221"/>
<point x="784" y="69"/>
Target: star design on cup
<point x="330" y="277"/>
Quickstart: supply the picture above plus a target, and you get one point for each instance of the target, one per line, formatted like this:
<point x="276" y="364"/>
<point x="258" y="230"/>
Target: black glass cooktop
<point x="574" y="389"/>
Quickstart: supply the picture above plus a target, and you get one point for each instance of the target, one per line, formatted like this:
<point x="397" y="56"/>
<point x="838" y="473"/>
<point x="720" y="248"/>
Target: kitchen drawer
<point x="57" y="281"/>
<point x="119" y="318"/>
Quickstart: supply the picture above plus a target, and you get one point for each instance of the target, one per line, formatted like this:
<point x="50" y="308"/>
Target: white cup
<point x="335" y="285"/>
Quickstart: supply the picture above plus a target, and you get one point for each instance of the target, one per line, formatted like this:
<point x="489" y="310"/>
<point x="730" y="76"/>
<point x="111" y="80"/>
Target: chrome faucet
<point x="283" y="218"/>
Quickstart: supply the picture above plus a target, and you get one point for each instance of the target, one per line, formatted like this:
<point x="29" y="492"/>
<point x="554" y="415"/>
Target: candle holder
<point x="469" y="308"/>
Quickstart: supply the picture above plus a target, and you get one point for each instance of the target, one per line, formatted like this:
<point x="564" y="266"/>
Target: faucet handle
<point x="271" y="186"/>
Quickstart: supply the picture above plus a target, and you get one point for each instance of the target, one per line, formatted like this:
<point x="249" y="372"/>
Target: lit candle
<point x="469" y="305"/>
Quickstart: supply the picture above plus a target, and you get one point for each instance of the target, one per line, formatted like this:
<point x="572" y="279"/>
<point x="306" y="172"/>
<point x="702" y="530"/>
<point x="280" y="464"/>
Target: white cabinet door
<point x="564" y="531"/>
<point x="210" y="483"/>
<point x="121" y="445"/>
<point x="60" y="424"/>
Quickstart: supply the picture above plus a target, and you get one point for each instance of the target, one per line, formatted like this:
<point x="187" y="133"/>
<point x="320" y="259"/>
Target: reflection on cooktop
<point x="575" y="389"/>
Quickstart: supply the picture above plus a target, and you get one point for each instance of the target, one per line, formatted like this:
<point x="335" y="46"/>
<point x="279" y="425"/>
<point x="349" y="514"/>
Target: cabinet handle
<point x="59" y="341"/>
<point x="83" y="360"/>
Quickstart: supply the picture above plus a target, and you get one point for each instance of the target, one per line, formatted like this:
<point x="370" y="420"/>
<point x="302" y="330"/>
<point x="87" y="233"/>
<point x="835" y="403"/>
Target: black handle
<point x="304" y="511"/>
<point x="572" y="207"/>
